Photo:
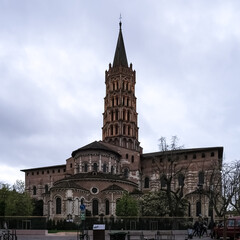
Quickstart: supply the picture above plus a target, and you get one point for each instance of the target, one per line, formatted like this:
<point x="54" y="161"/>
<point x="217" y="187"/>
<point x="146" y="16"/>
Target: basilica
<point x="98" y="174"/>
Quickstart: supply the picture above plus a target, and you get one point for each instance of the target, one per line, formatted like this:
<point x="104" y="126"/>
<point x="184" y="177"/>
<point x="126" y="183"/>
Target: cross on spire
<point x="120" y="22"/>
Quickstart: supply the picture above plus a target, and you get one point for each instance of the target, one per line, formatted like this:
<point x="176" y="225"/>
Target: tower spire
<point x="120" y="57"/>
<point x="120" y="116"/>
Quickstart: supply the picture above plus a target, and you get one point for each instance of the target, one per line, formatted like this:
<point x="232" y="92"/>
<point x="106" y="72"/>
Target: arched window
<point x="34" y="190"/>
<point x="129" y="130"/>
<point x="124" y="129"/>
<point x="132" y="159"/>
<point x="163" y="181"/>
<point x="112" y="169"/>
<point x="111" y="115"/>
<point x="95" y="207"/>
<point x="46" y="188"/>
<point x="189" y="209"/>
<point x="128" y="115"/>
<point x="124" y="115"/>
<point x="181" y="180"/>
<point x="201" y="178"/>
<point x="58" y="205"/>
<point x="198" y="208"/>
<point x="111" y="129"/>
<point x="85" y="167"/>
<point x="126" y="172"/>
<point x="104" y="167"/>
<point x="107" y="207"/>
<point x="146" y="182"/>
<point x="95" y="167"/>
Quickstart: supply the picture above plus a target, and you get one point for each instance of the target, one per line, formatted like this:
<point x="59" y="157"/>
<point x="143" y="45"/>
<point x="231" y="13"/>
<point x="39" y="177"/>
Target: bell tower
<point x="120" y="116"/>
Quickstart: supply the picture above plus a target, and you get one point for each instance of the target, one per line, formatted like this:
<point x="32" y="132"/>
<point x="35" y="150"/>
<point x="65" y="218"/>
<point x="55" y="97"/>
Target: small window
<point x="47" y="171"/>
<point x="104" y="167"/>
<point x="70" y="165"/>
<point x="37" y="173"/>
<point x="106" y="207"/>
<point x="85" y="167"/>
<point x="58" y="170"/>
<point x="34" y="190"/>
<point x="126" y="172"/>
<point x="163" y="181"/>
<point x="95" y="167"/>
<point x="185" y="156"/>
<point x="194" y="156"/>
<point x="132" y="159"/>
<point x="146" y="182"/>
<point x="32" y="173"/>
<point x="64" y="170"/>
<point x="42" y="172"/>
<point x="53" y="171"/>
<point x="58" y="205"/>
<point x="126" y="156"/>
<point x="181" y="180"/>
<point x="201" y="178"/>
<point x="203" y="155"/>
<point x="212" y="154"/>
<point x="46" y="188"/>
<point x="198" y="208"/>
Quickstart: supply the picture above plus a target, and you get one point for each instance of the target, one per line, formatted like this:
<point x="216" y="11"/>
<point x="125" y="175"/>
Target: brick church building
<point x="99" y="173"/>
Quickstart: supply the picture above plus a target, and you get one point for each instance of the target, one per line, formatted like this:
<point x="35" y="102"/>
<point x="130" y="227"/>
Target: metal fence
<point x="111" y="223"/>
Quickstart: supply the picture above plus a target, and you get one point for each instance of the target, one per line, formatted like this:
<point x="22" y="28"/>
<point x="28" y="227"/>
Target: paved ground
<point x="74" y="237"/>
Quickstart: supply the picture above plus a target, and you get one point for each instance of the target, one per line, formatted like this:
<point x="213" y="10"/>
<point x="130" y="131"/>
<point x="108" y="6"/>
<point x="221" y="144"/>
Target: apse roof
<point x="113" y="187"/>
<point x="94" y="146"/>
<point x="67" y="184"/>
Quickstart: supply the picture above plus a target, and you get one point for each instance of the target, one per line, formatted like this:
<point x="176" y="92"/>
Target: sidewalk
<point x="73" y="236"/>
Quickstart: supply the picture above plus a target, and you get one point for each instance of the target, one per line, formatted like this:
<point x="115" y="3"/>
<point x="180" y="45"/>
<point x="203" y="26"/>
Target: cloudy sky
<point x="53" y="57"/>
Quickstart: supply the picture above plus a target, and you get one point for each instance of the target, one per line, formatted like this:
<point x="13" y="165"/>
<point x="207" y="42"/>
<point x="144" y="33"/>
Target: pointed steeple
<point x="120" y="57"/>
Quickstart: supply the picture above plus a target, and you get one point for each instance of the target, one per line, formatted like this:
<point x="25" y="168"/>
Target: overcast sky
<point x="53" y="57"/>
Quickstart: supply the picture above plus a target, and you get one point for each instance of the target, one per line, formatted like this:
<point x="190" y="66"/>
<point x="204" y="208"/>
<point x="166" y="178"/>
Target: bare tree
<point x="169" y="171"/>
<point x="222" y="187"/>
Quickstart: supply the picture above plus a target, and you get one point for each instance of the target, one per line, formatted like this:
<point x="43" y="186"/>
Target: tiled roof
<point x="113" y="187"/>
<point x="94" y="146"/>
<point x="67" y="184"/>
<point x="183" y="151"/>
